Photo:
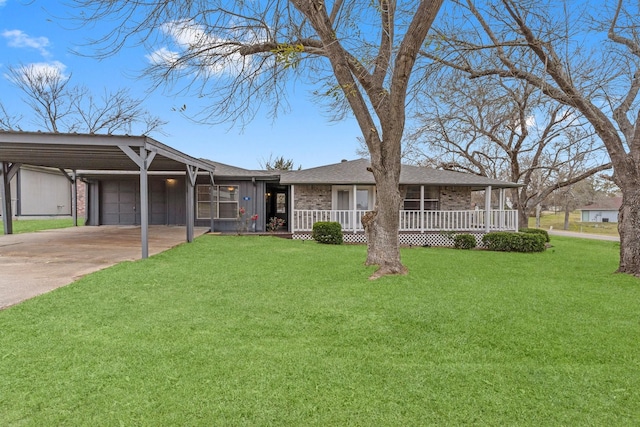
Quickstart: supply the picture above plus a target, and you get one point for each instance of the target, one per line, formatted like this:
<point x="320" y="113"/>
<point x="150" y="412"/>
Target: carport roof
<point x="91" y="152"/>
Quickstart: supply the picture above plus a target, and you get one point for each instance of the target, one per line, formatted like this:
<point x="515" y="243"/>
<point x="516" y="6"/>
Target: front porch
<point x="417" y="228"/>
<point x="414" y="221"/>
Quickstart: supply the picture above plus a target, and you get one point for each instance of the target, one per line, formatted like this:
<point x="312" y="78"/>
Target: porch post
<point x="422" y="208"/>
<point x="501" y="209"/>
<point x="292" y="215"/>
<point x="354" y="213"/>
<point x="211" y="190"/>
<point x="487" y="208"/>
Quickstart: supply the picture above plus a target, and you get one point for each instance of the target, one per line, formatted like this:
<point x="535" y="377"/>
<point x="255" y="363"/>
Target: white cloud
<point x="216" y="55"/>
<point x="163" y="56"/>
<point x="19" y="39"/>
<point x="44" y="72"/>
<point x="530" y="121"/>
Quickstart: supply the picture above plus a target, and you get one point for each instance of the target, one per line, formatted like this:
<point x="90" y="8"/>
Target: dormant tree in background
<point x="57" y="106"/>
<point x="9" y="121"/>
<point x="505" y="130"/>
<point x="279" y="163"/>
<point x="240" y="54"/>
<point x="589" y="63"/>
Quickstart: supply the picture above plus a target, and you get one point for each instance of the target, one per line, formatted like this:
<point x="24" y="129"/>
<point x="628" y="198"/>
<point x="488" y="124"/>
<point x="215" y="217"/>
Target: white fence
<point x="420" y="221"/>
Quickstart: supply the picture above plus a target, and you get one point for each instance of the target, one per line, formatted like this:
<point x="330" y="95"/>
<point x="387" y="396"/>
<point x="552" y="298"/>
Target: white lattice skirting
<point x="406" y="239"/>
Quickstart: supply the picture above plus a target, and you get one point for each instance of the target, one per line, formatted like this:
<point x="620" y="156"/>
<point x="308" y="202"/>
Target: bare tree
<point x="239" y="54"/>
<point x="279" y="163"/>
<point x="59" y="107"/>
<point x="591" y="64"/>
<point x="509" y="131"/>
<point x="8" y="121"/>
<point x="46" y="93"/>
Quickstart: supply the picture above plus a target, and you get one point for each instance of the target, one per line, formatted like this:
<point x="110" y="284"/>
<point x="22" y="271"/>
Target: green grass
<point x="556" y="220"/>
<point x="264" y="331"/>
<point x="31" y="225"/>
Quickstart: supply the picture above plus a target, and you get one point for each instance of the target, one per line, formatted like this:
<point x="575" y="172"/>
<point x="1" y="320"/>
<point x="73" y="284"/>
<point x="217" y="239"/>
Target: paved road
<point x="583" y="235"/>
<point x="34" y="263"/>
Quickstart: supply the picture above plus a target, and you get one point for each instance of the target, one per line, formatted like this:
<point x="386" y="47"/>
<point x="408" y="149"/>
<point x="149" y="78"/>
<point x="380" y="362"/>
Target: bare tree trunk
<point x="538" y="210"/>
<point x="567" y="211"/>
<point x="629" y="229"/>
<point x="523" y="215"/>
<point x="381" y="226"/>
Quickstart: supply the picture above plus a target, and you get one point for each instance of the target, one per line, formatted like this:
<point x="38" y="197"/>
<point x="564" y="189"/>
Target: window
<point x="343" y="197"/>
<point x="412" y="198"/>
<point x="362" y="200"/>
<point x="281" y="203"/>
<point x="224" y="199"/>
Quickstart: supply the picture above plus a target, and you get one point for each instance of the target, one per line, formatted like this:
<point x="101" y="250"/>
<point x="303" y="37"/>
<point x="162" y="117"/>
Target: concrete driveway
<point x="34" y="263"/>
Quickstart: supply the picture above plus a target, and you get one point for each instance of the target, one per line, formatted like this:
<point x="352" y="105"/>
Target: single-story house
<point x="139" y="181"/>
<point x="604" y="210"/>
<point x="434" y="201"/>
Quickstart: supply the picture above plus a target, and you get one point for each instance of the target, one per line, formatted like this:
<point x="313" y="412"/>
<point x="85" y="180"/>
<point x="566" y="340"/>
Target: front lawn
<point x="253" y="330"/>
<point x="31" y="225"/>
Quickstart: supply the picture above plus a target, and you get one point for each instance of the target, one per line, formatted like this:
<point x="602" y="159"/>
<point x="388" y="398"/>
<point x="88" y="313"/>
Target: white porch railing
<point x="420" y="221"/>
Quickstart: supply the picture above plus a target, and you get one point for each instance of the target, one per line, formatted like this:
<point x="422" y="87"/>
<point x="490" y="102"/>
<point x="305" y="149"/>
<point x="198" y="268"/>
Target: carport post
<point x="143" y="161"/>
<point x="74" y="198"/>
<point x="7" y="171"/>
<point x="192" y="173"/>
<point x="144" y="207"/>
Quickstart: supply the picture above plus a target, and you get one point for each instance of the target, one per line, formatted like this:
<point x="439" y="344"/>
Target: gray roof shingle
<point x="355" y="172"/>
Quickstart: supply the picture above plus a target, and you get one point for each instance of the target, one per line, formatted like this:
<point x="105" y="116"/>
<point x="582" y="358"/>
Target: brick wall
<point x="312" y="197"/>
<point x="81" y="197"/>
<point x="455" y="198"/>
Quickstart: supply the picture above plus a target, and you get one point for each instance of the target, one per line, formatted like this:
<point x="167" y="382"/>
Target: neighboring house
<point x="40" y="192"/>
<point x="604" y="210"/>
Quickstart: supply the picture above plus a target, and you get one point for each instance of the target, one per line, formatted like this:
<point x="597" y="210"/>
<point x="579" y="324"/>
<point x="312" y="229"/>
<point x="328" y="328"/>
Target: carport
<point x="71" y="153"/>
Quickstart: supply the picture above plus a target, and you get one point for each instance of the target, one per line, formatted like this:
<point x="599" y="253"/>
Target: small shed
<point x="603" y="210"/>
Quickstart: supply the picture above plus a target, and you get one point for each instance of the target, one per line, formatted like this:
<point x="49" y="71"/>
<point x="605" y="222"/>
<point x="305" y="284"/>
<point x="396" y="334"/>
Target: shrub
<point x="464" y="241"/>
<point x="514" y="242"/>
<point x="537" y="231"/>
<point x="274" y="224"/>
<point x="327" y="232"/>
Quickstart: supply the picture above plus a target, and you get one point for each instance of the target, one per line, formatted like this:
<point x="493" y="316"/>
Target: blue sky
<point x="32" y="33"/>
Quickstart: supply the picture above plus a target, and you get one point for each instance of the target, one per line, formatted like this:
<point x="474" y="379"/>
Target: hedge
<point x="464" y="241"/>
<point x="327" y="232"/>
<point x="537" y="231"/>
<point x="514" y="242"/>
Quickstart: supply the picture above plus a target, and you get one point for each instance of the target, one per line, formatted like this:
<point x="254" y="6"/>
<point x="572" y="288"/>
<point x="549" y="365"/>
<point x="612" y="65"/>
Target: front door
<point x="277" y="201"/>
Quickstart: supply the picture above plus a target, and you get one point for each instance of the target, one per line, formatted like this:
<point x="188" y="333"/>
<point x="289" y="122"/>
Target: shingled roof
<point x="355" y="172"/>
<point x="605" y="204"/>
<point x="225" y="171"/>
